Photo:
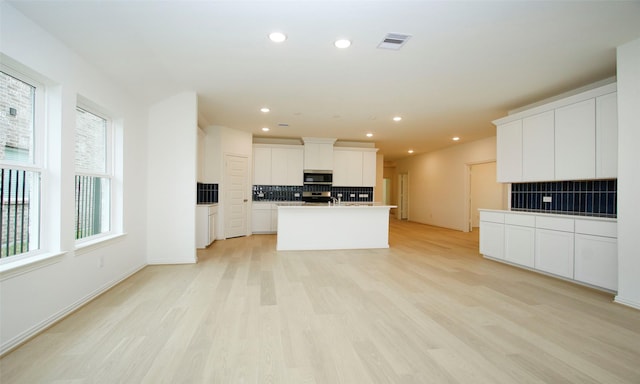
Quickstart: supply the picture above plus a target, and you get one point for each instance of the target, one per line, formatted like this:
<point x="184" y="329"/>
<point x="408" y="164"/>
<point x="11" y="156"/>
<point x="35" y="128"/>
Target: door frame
<point x="403" y="198"/>
<point x="467" y="195"/>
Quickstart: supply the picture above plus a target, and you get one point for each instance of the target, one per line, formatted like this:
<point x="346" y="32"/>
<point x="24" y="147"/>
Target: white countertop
<point x="575" y="217"/>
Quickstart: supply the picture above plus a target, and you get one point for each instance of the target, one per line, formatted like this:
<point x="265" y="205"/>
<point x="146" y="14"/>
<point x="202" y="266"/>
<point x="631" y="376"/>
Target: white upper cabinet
<point x="261" y="165"/>
<point x="354" y="167"/>
<point x="509" y="152"/>
<point x="318" y="153"/>
<point x="575" y="141"/>
<point x="277" y="164"/>
<point x="369" y="168"/>
<point x="286" y="166"/>
<point x="574" y="138"/>
<point x="537" y="147"/>
<point x="607" y="136"/>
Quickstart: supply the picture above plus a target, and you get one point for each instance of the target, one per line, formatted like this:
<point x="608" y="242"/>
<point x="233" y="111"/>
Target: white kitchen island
<point x="344" y="226"/>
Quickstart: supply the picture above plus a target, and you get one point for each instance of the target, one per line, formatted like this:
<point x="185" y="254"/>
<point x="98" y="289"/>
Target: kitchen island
<point x="343" y="226"/>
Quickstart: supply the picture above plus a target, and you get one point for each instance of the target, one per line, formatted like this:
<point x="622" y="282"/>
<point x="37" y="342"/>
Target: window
<point x="21" y="108"/>
<point x="93" y="174"/>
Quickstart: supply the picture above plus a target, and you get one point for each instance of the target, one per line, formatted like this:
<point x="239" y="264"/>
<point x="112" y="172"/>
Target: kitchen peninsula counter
<point x="343" y="226"/>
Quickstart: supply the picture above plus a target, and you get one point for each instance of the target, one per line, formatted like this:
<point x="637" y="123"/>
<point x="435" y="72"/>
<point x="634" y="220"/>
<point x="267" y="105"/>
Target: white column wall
<point x="171" y="180"/>
<point x="628" y="181"/>
<point x="35" y="298"/>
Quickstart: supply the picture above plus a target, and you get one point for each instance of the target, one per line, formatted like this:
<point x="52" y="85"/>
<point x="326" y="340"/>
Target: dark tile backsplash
<point x="584" y="198"/>
<point x="288" y="193"/>
<point x="207" y="193"/>
<point x="353" y="193"/>
<point x="277" y="193"/>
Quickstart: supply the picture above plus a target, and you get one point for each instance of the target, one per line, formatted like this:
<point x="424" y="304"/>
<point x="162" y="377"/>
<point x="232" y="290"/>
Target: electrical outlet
<point x="364" y="195"/>
<point x="546" y="199"/>
<point x="100" y="261"/>
<point x="339" y="194"/>
<point x="352" y="195"/>
<point x="296" y="195"/>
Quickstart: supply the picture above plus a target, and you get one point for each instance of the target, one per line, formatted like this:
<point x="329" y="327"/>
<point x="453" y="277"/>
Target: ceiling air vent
<point x="393" y="41"/>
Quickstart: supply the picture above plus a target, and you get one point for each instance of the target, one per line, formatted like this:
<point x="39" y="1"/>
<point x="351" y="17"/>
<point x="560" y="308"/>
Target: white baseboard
<point x="25" y="336"/>
<point x="627" y="302"/>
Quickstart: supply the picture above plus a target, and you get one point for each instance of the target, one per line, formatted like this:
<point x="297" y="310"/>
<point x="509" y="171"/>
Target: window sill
<point x="26" y="265"/>
<point x="103" y="241"/>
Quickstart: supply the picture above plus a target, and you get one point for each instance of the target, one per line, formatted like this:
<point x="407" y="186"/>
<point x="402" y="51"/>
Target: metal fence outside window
<point x="16" y="187"/>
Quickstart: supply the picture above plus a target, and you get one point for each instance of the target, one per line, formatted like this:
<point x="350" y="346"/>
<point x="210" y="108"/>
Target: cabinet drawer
<point x="494" y="217"/>
<point x="518" y="219"/>
<point x="597" y="228"/>
<point x="555" y="223"/>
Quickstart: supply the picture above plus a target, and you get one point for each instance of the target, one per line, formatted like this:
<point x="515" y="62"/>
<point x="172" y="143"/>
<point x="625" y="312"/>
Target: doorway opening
<point x="484" y="191"/>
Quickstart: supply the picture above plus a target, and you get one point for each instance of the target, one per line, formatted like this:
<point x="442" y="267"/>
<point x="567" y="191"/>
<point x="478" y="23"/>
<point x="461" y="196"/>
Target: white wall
<point x="438" y="182"/>
<point x="486" y="192"/>
<point x="171" y="180"/>
<point x="628" y="180"/>
<point x="33" y="300"/>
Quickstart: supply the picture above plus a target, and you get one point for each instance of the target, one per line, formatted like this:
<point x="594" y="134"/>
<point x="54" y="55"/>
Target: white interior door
<point x="235" y="196"/>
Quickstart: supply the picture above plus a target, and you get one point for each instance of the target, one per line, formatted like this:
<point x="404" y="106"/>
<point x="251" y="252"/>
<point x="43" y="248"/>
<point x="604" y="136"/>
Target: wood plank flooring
<point x="429" y="309"/>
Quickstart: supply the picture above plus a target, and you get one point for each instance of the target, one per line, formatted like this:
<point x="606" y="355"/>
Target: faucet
<point x="334" y="201"/>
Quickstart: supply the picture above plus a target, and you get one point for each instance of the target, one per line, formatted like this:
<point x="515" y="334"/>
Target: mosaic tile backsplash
<point x="207" y="193"/>
<point x="583" y="198"/>
<point x="294" y="193"/>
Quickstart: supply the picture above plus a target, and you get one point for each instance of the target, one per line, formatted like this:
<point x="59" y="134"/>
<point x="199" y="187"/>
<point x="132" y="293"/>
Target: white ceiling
<point x="466" y="63"/>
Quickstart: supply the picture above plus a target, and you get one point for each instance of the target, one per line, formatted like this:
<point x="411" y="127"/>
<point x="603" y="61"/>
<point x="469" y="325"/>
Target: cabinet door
<point x="368" y="169"/>
<point x="575" y="141"/>
<point x="554" y="252"/>
<point x="318" y="156"/>
<point x="537" y="147"/>
<point x="279" y="166"/>
<point x="492" y="239"/>
<point x="509" y="152"/>
<point x="295" y="172"/>
<point x="519" y="245"/>
<point x="261" y="218"/>
<point x="596" y="261"/>
<point x="261" y="166"/>
<point x="607" y="136"/>
<point x="347" y="168"/>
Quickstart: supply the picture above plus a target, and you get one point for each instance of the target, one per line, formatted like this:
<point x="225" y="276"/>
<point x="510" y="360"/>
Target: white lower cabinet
<point x="264" y="218"/>
<point x="492" y="234"/>
<point x="554" y="252"/>
<point x="596" y="256"/>
<point x="205" y="225"/>
<point x="584" y="250"/>
<point x="596" y="261"/>
<point x="519" y="245"/>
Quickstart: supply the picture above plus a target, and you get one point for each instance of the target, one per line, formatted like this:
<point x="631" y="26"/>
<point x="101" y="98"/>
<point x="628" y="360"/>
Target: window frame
<point x="36" y="164"/>
<point x="88" y="106"/>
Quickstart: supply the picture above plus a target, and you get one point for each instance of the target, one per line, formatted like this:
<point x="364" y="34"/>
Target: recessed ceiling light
<point x="397" y="118"/>
<point x="265" y="129"/>
<point x="455" y="138"/>
<point x="369" y="134"/>
<point x="264" y="109"/>
<point x="410" y="151"/>
<point x="342" y="43"/>
<point x="277" y="37"/>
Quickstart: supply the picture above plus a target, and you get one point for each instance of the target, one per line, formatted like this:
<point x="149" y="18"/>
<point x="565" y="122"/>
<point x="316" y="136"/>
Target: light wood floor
<point x="428" y="310"/>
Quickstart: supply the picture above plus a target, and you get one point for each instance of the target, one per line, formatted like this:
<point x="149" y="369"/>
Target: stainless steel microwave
<point x="318" y="177"/>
